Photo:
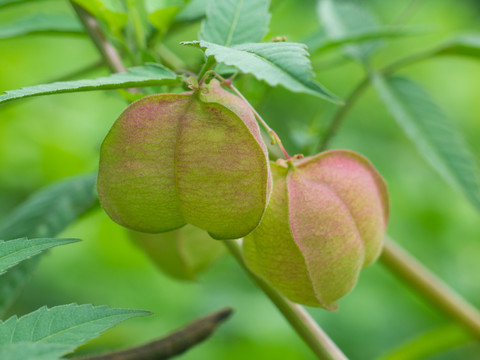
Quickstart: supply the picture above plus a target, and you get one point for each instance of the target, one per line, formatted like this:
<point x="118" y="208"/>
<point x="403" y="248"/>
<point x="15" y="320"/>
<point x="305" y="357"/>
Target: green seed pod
<point x="196" y="158"/>
<point x="182" y="253"/>
<point x="326" y="220"/>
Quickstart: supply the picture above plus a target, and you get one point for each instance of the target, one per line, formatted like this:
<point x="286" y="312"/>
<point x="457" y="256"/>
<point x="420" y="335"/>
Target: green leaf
<point x="31" y="350"/>
<point x="14" y="251"/>
<point x="462" y="45"/>
<point x="162" y="12"/>
<point x="45" y="214"/>
<point x="431" y="343"/>
<point x="149" y="75"/>
<point x="70" y="325"/>
<point x="232" y="22"/>
<point x="110" y="12"/>
<point x="343" y="19"/>
<point x="49" y="211"/>
<point x="13" y="281"/>
<point x="432" y="132"/>
<point x="279" y="63"/>
<point x="40" y="23"/>
<point x="194" y="10"/>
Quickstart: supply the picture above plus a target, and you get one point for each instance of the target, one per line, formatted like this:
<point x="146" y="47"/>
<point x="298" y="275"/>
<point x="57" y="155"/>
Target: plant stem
<point x="106" y="49"/>
<point x="206" y="67"/>
<point x="296" y="315"/>
<point x="340" y="115"/>
<point x="424" y="282"/>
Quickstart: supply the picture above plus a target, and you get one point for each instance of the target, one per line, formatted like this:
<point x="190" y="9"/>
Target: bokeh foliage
<point x="50" y="138"/>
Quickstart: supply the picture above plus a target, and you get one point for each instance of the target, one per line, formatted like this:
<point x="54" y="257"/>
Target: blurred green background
<point x="49" y="138"/>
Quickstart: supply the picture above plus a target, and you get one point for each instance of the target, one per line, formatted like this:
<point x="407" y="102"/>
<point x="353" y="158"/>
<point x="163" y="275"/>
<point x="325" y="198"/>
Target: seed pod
<point x="182" y="253"/>
<point x="196" y="158"/>
<point x="326" y="220"/>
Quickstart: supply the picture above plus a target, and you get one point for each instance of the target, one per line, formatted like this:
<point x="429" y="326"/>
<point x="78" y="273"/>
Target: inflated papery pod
<point x="326" y="220"/>
<point x="182" y="253"/>
<point x="191" y="158"/>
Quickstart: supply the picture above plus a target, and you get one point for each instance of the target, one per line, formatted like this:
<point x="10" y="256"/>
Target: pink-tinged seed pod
<point x="196" y="158"/>
<point x="325" y="221"/>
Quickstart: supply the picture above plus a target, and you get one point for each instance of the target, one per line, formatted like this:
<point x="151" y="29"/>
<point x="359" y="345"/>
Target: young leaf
<point x="432" y="132"/>
<point x="279" y="63"/>
<point x="462" y="45"/>
<point x="45" y="214"/>
<point x="70" y="325"/>
<point x="14" y="251"/>
<point x="148" y="75"/>
<point x="342" y="19"/>
<point x="40" y="23"/>
<point x="232" y="22"/>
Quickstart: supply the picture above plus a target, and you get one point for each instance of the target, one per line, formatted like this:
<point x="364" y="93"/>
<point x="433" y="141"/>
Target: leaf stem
<point x="273" y="135"/>
<point x="424" y="282"/>
<point x="340" y="115"/>
<point x="206" y="67"/>
<point x="296" y="315"/>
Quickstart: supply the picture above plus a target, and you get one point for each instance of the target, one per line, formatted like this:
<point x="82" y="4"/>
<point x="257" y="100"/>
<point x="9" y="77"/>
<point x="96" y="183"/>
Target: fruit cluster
<point x="309" y="225"/>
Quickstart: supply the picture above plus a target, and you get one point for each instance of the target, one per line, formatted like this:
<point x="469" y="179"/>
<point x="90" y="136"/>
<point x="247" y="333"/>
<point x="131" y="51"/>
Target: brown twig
<point x="174" y="344"/>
